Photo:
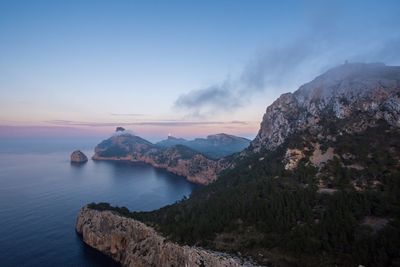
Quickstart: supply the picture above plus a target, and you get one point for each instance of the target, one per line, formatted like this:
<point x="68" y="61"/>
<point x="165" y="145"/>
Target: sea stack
<point x="78" y="157"/>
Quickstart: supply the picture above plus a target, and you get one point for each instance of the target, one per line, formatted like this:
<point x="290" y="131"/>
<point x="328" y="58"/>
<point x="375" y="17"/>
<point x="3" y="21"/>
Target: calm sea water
<point x="41" y="194"/>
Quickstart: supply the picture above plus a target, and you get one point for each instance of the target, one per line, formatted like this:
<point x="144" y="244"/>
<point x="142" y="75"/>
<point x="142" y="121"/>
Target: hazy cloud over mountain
<point x="282" y="67"/>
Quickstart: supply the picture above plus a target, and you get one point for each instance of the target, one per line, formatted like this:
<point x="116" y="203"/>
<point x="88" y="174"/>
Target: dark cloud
<point x="272" y="69"/>
<point x="209" y="99"/>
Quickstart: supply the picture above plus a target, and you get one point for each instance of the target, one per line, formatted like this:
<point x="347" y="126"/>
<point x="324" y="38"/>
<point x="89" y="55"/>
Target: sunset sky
<point x="186" y="68"/>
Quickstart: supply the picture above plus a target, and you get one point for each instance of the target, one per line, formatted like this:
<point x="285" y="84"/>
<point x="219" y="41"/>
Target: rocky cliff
<point x="178" y="159"/>
<point x="347" y="117"/>
<point x="358" y="94"/>
<point x="134" y="244"/>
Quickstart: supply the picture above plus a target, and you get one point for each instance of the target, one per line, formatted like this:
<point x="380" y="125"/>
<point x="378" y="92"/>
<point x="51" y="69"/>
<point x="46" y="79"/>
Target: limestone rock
<point x="359" y="94"/>
<point x="292" y="158"/>
<point x="78" y="157"/>
<point x="134" y="244"/>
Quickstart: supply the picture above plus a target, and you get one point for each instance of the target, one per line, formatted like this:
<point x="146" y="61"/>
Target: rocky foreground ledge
<point x="135" y="244"/>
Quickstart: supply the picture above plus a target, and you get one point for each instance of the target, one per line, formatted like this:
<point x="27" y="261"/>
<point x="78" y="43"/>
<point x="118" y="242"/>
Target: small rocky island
<point x="78" y="157"/>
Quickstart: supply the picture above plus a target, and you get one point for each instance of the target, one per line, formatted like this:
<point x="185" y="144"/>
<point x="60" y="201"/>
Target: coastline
<point x="196" y="179"/>
<point x="134" y="244"/>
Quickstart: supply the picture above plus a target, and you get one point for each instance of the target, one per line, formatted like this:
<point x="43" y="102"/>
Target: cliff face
<point x="346" y="117"/>
<point x="177" y="159"/>
<point x="357" y="94"/>
<point x="134" y="244"/>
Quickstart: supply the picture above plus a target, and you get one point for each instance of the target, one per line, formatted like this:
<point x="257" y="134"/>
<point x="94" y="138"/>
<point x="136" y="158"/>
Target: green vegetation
<point x="184" y="151"/>
<point x="214" y="147"/>
<point x="106" y="206"/>
<point x="113" y="151"/>
<point x="259" y="208"/>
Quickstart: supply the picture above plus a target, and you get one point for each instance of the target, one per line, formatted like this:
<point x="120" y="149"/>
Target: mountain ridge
<point x="343" y="90"/>
<point x="177" y="158"/>
<point x="318" y="186"/>
<point x="215" y="146"/>
<point x="320" y="178"/>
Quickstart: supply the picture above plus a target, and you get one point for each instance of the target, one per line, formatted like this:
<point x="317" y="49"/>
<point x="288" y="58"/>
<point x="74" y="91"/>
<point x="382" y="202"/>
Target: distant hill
<point x="214" y="146"/>
<point x="176" y="157"/>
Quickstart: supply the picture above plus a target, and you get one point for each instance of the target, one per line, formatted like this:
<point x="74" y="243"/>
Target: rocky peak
<point x="351" y="82"/>
<point x="369" y="91"/>
<point x="221" y="136"/>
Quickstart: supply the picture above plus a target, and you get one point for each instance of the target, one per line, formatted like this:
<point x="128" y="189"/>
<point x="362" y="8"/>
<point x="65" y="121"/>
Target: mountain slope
<point x="321" y="178"/>
<point x="318" y="186"/>
<point x="337" y="117"/>
<point x="214" y="146"/>
<point x="122" y="146"/>
<point x="362" y="93"/>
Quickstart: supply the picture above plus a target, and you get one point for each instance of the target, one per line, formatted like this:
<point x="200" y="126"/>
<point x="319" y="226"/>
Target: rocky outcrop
<point x="178" y="159"/>
<point x="78" y="157"/>
<point x="330" y="119"/>
<point x="292" y="158"/>
<point x="359" y="94"/>
<point x="134" y="244"/>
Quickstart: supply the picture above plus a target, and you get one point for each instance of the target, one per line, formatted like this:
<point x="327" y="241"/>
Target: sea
<point x="41" y="193"/>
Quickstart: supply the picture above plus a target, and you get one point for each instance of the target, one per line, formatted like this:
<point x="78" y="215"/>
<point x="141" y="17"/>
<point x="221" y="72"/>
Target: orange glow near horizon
<point x="151" y="132"/>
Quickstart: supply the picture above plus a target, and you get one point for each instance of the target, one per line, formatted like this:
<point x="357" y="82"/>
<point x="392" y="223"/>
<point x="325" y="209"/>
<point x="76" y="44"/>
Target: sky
<point x="184" y="68"/>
